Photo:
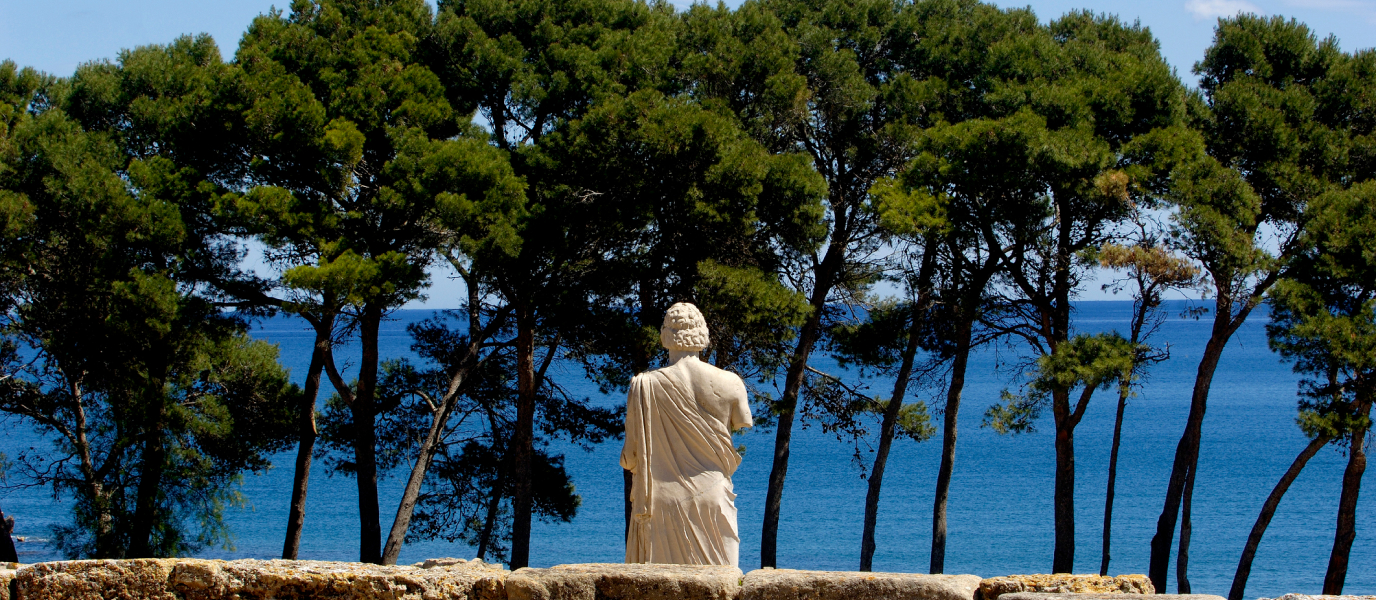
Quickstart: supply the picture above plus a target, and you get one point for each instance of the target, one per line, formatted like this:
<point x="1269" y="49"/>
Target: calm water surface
<point x="1000" y="511"/>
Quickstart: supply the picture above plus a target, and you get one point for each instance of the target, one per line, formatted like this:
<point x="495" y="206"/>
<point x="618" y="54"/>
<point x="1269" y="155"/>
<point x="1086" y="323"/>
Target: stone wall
<point x="456" y="579"/>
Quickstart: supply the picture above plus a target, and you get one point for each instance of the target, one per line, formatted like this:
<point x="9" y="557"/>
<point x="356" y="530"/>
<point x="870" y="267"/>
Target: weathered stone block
<point x="195" y="579"/>
<point x="609" y="581"/>
<point x="138" y="579"/>
<point x="7" y="581"/>
<point x="1065" y="583"/>
<point x="291" y="580"/>
<point x="788" y="584"/>
<point x="1107" y="596"/>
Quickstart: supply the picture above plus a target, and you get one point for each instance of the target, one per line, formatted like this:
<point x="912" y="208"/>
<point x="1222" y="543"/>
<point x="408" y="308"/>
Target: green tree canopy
<point x="155" y="400"/>
<point x="1278" y="118"/>
<point x="364" y="173"/>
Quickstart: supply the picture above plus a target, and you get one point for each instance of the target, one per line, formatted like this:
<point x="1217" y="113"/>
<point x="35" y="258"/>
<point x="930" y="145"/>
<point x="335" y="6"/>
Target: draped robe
<point x="682" y="459"/>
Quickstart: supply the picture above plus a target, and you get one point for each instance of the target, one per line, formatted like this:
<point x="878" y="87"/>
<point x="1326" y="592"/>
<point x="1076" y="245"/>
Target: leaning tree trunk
<point x="523" y="440"/>
<point x="411" y="494"/>
<point x="1124" y="390"/>
<point x="1268" y="510"/>
<point x="788" y="403"/>
<point x="296" y="516"/>
<point x="364" y="411"/>
<point x="1182" y="556"/>
<point x="881" y="457"/>
<point x="948" y="444"/>
<point x="787" y="406"/>
<point x="494" y="499"/>
<point x="429" y="446"/>
<point x="1186" y="455"/>
<point x="1347" y="515"/>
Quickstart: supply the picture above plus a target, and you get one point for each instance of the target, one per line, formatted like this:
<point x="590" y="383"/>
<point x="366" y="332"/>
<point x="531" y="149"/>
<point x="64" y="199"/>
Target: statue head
<point x="684" y="329"/>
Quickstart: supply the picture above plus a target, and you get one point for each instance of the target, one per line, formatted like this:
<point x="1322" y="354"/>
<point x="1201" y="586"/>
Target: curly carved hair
<point x="684" y="328"/>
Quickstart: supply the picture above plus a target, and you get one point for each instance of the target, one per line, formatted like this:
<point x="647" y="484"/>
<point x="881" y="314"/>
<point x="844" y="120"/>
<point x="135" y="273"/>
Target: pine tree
<point x="365" y="173"/>
<point x="154" y="399"/>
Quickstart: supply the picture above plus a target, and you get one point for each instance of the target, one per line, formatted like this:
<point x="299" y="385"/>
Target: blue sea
<point x="1000" y="512"/>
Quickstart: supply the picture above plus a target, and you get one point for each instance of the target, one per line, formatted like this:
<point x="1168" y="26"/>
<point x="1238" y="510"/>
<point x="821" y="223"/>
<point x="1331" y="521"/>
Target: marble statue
<point x="678" y="448"/>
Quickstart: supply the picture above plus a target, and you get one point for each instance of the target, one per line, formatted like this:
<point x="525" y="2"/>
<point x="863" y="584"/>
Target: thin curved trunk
<point x="783" y="435"/>
<point x="1268" y="510"/>
<point x="881" y="457"/>
<point x="788" y="404"/>
<point x="948" y="445"/>
<point x="428" y="448"/>
<point x="1186" y="455"/>
<point x="1182" y="557"/>
<point x="494" y="499"/>
<point x="1124" y="390"/>
<point x="411" y="495"/>
<point x="296" y="515"/>
<point x="1347" y="514"/>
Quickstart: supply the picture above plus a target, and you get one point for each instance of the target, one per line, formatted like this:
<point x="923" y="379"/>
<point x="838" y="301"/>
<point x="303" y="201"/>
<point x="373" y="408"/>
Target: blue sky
<point x="57" y="35"/>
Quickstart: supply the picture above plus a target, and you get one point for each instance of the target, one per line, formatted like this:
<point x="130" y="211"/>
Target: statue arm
<point x="633" y="438"/>
<point x="740" y="407"/>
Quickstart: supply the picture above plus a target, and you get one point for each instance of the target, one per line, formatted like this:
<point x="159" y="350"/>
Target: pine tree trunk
<point x="296" y="515"/>
<point x="1124" y="389"/>
<point x="1182" y="556"/>
<point x="106" y="542"/>
<point x="364" y="412"/>
<point x="523" y="439"/>
<point x="881" y="457"/>
<point x="494" y="503"/>
<point x="1347" y="515"/>
<point x="397" y="536"/>
<point x="494" y="499"/>
<point x="153" y="464"/>
<point x="1186" y="454"/>
<point x="1268" y="510"/>
<point x="145" y="508"/>
<point x="1063" y="556"/>
<point x="948" y="444"/>
<point x="788" y="404"/>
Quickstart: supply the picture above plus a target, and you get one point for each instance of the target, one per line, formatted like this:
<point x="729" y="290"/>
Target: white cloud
<point x="1212" y="9"/>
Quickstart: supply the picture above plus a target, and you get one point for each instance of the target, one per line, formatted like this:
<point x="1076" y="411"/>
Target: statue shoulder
<point x="726" y="373"/>
<point x="722" y="377"/>
<point x="641" y="378"/>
